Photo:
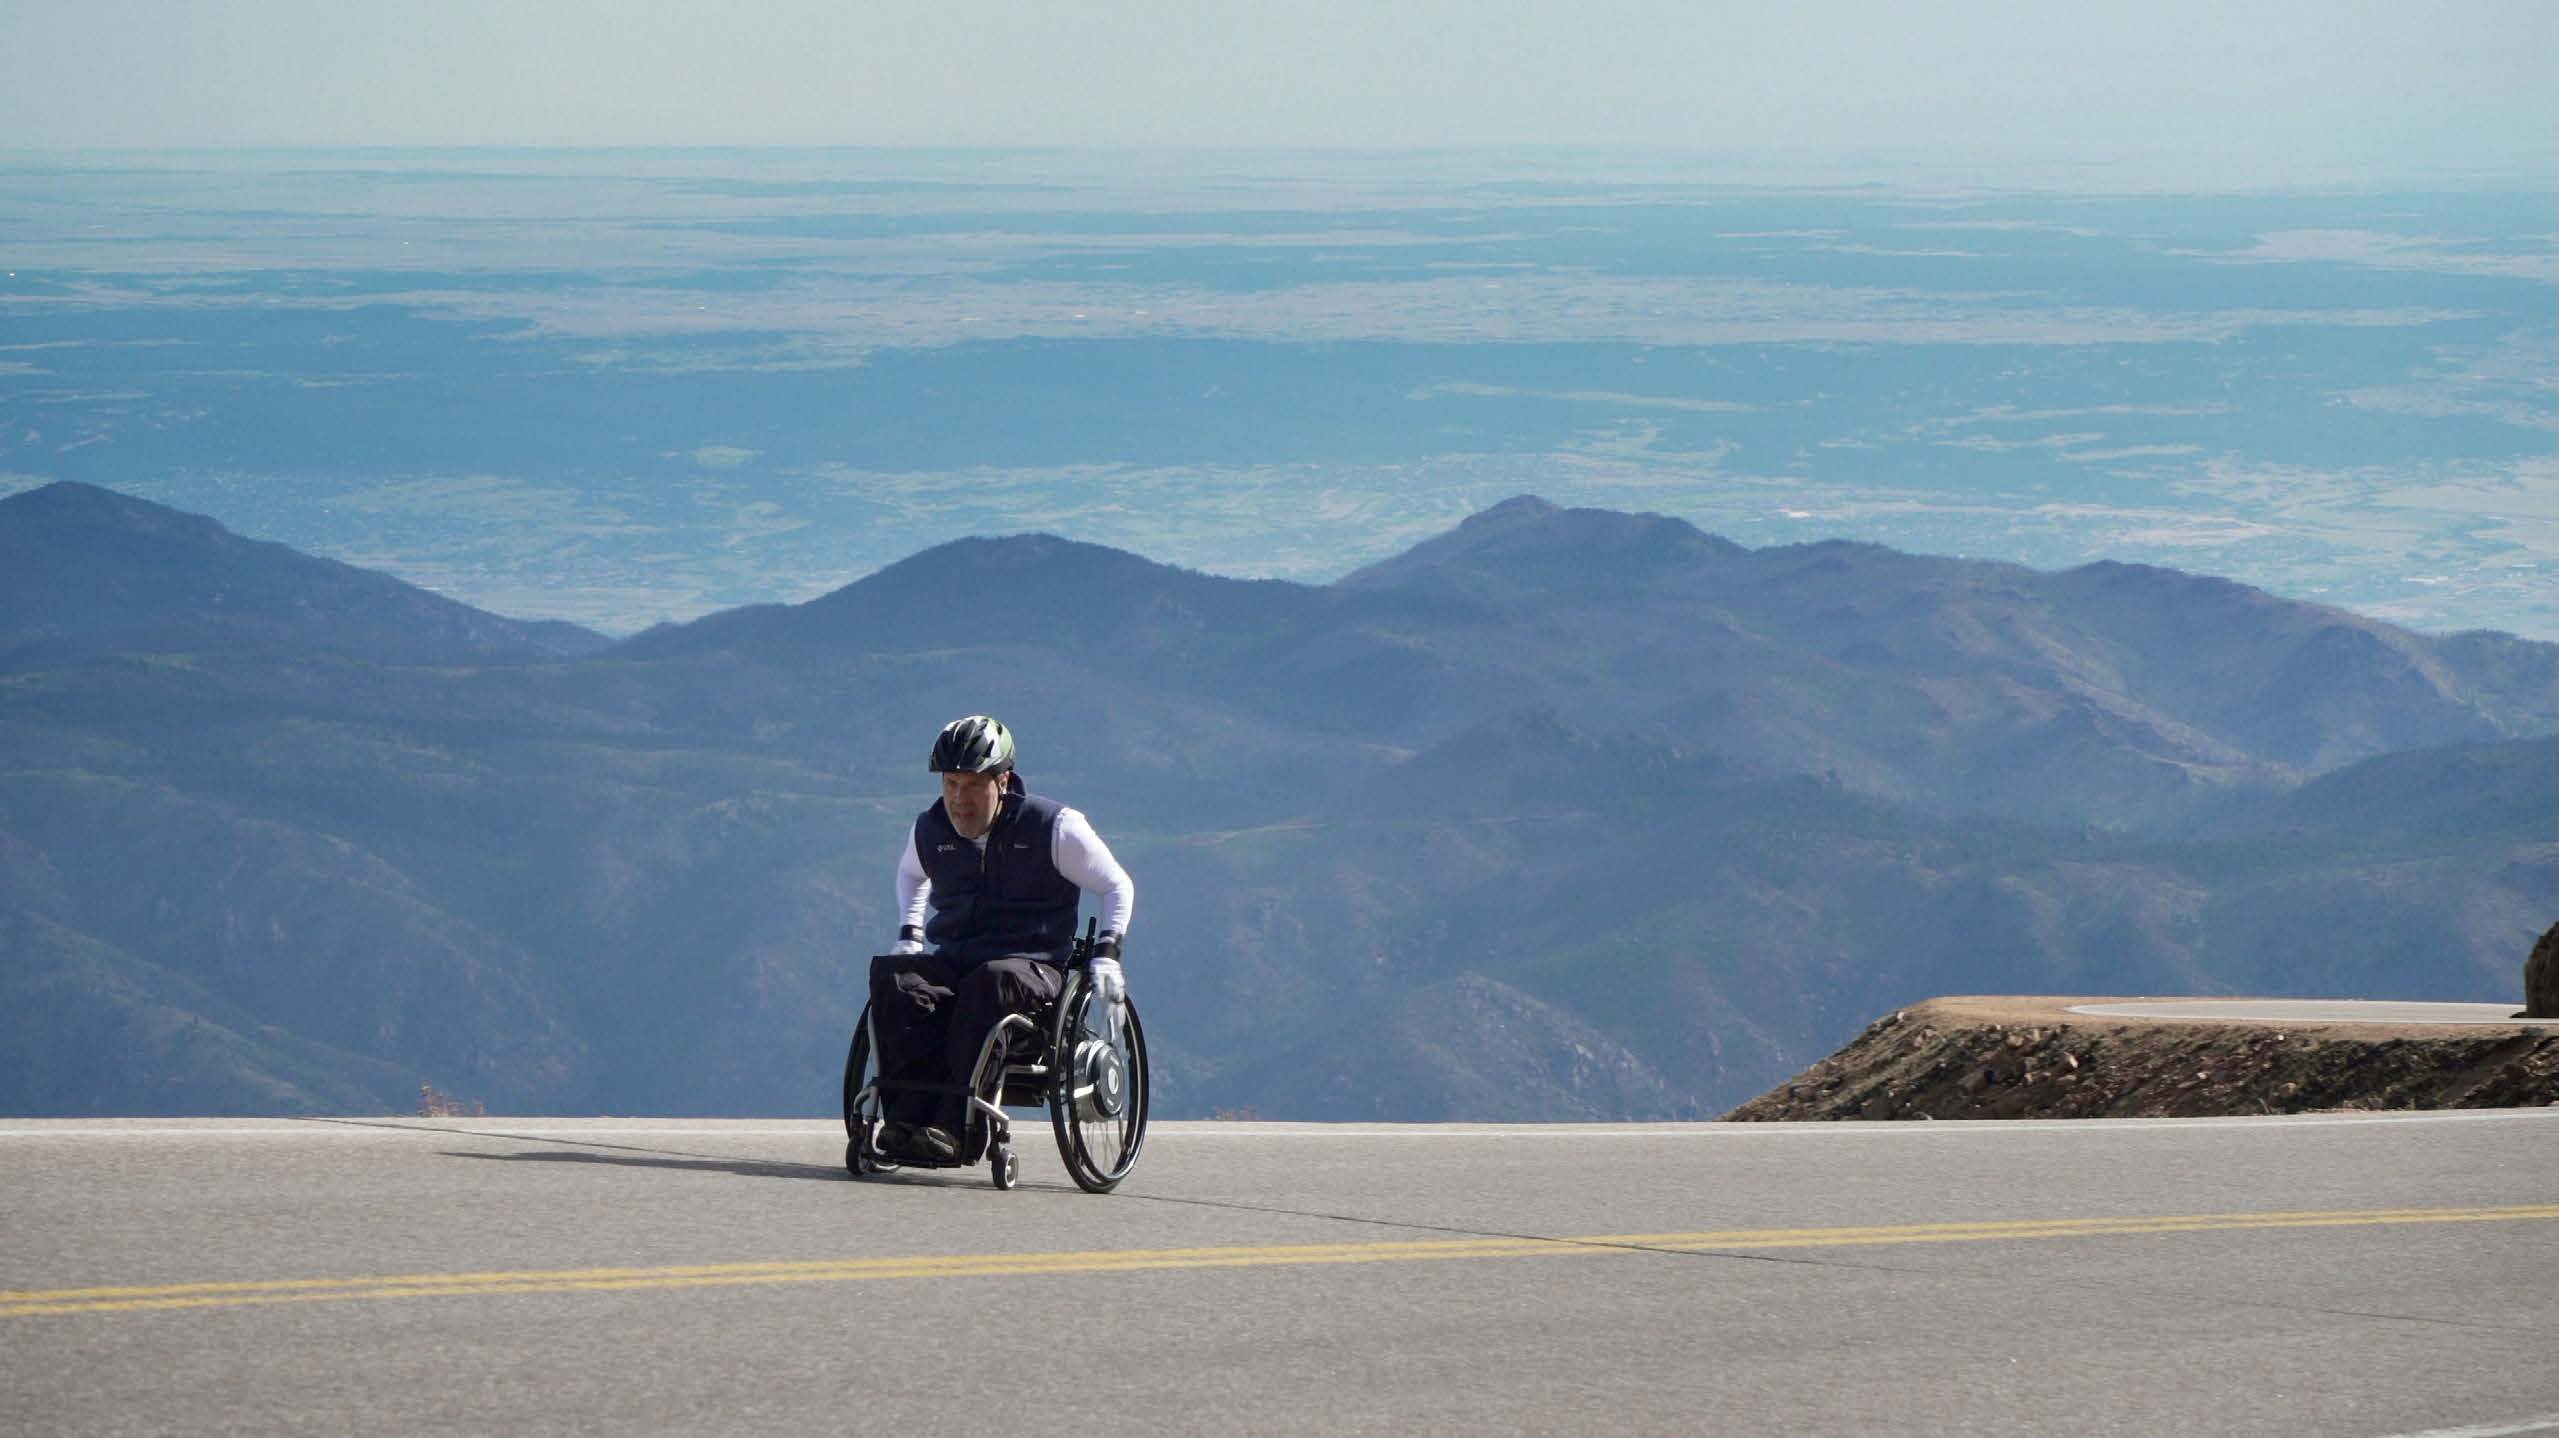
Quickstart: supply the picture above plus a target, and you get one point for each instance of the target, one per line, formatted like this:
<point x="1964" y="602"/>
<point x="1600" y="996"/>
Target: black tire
<point x="1098" y="1100"/>
<point x="1008" y="1169"/>
<point x="860" y="1159"/>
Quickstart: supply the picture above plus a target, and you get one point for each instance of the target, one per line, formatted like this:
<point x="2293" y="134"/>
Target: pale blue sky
<point x="2219" y="91"/>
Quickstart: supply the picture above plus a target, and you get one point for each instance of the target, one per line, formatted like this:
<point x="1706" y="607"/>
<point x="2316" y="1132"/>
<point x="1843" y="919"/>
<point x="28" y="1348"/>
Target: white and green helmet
<point x="979" y="744"/>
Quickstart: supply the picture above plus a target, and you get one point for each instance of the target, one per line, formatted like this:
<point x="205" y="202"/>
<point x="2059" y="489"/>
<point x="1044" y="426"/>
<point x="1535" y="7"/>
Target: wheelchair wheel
<point x="861" y="1114"/>
<point x="1097" y="1103"/>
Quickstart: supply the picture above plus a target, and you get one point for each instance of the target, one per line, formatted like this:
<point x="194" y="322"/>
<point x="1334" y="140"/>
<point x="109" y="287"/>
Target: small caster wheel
<point x="862" y="1156"/>
<point x="1008" y="1169"/>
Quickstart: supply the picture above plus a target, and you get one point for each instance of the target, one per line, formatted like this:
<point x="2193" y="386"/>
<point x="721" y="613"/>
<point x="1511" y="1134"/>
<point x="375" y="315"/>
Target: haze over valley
<point x="624" y="387"/>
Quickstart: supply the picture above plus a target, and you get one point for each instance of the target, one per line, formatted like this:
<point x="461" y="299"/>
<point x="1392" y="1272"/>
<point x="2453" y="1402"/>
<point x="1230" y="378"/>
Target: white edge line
<point x="2307" y="1012"/>
<point x="2546" y="1423"/>
<point x="1807" y="1128"/>
<point x="531" y="1131"/>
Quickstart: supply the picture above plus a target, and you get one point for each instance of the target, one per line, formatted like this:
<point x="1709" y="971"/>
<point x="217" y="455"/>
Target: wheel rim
<point x="1099" y="1105"/>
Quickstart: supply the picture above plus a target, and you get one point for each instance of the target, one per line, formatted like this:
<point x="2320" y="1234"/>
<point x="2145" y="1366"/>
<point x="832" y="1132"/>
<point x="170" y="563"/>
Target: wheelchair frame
<point x="1088" y="1081"/>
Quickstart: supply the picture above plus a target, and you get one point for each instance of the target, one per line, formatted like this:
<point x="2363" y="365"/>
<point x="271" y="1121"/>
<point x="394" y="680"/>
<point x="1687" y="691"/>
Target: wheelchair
<point x="1079" y="1055"/>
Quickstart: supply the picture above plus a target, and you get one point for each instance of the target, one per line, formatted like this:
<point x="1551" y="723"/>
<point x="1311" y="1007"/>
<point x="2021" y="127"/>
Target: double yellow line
<point x="37" y="1303"/>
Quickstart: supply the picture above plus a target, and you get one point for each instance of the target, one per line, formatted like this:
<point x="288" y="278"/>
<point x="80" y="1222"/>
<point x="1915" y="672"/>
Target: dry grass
<point x="444" y="1105"/>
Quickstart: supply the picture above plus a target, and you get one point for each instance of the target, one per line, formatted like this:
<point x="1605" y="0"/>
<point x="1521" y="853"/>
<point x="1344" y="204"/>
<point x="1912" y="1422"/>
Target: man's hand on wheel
<point x="1105" y="972"/>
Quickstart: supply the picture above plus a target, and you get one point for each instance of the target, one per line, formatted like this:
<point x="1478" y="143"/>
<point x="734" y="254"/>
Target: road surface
<point x="2313" y="1011"/>
<point x="2349" y="1275"/>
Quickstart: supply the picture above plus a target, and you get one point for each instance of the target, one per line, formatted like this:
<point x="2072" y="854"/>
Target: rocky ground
<point x="2031" y="1058"/>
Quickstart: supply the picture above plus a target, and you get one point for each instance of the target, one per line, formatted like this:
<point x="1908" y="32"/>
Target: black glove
<point x="916" y="990"/>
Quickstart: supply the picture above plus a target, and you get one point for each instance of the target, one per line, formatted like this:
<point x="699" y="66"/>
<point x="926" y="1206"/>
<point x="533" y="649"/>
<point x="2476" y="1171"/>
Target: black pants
<point x="930" y="1014"/>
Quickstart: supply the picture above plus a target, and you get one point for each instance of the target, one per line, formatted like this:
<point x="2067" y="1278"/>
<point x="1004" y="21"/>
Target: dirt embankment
<point x="2032" y="1058"/>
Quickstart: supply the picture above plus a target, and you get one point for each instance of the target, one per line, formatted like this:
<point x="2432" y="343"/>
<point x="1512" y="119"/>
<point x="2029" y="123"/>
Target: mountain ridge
<point x="2046" y="670"/>
<point x="1677" y="828"/>
<point x="86" y="568"/>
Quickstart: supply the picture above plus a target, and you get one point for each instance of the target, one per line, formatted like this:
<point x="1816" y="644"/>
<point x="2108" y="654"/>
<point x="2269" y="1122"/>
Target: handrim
<point x="1099" y="1149"/>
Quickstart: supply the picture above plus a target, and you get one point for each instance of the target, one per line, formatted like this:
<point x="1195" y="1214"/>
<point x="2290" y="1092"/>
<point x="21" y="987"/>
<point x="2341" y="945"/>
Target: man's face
<point x="972" y="800"/>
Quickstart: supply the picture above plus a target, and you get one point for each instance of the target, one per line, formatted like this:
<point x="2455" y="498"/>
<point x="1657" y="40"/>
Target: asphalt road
<point x="2377" y="1275"/>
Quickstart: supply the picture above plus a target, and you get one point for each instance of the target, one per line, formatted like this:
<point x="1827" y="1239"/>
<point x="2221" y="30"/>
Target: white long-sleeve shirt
<point x="1079" y="854"/>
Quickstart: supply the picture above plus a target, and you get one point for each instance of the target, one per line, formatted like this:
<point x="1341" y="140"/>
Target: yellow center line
<point x="34" y="1303"/>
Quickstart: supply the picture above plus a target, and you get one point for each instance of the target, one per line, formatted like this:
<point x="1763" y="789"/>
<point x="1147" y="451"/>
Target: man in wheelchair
<point x="990" y="881"/>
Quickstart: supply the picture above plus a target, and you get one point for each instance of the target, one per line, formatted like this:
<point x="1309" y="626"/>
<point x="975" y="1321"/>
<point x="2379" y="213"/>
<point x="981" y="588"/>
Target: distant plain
<point x="621" y="387"/>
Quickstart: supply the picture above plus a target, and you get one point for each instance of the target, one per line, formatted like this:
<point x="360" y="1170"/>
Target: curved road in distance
<point x="2343" y="1275"/>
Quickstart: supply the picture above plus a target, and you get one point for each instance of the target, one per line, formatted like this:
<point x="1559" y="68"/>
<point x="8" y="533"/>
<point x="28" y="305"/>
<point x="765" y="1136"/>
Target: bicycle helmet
<point x="979" y="744"/>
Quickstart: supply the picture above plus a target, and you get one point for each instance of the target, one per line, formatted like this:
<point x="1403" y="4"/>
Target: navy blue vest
<point x="1008" y="900"/>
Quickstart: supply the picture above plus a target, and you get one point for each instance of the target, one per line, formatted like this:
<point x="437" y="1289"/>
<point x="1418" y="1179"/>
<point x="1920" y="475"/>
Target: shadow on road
<point x="744" y="1167"/>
